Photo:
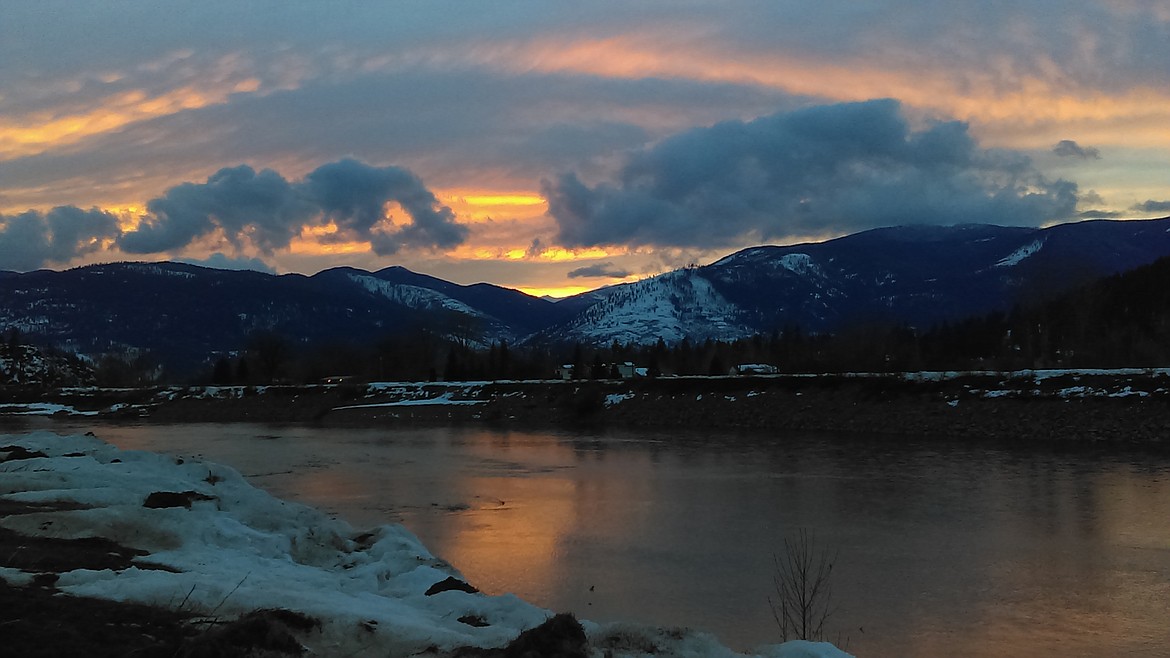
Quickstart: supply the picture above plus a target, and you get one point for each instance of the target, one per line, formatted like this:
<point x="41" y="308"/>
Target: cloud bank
<point x="1151" y="205"/>
<point x="30" y="239"/>
<point x="266" y="210"/>
<point x="842" y="167"/>
<point x="599" y="270"/>
<point x="248" y="208"/>
<point x="220" y="261"/>
<point x="1067" y="148"/>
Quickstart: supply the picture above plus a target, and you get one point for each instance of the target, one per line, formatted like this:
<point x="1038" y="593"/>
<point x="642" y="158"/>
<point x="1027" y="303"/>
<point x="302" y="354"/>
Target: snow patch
<point x="444" y="399"/>
<point x="412" y="296"/>
<point x="1020" y="254"/>
<point x="617" y="398"/>
<point x="240" y="549"/>
<point x="42" y="409"/>
<point x="799" y="264"/>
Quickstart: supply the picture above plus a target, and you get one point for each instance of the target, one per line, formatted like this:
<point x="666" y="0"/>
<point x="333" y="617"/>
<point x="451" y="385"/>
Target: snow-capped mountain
<point x="915" y="275"/>
<point x="183" y="314"/>
<point x="673" y="306"/>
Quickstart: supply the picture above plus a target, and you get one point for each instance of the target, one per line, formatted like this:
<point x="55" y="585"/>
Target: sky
<point x="560" y="147"/>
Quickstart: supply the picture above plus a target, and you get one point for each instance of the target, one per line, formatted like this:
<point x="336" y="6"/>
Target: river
<point x="941" y="548"/>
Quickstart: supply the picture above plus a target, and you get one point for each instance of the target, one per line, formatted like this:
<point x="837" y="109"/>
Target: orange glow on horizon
<point x="561" y="254"/>
<point x="477" y="206"/>
<point x="505" y="200"/>
<point x="129" y="216"/>
<point x="309" y="244"/>
<point x="551" y="254"/>
<point x="554" y="291"/>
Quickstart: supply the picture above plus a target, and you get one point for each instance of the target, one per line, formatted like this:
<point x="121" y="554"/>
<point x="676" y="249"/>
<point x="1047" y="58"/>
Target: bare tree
<point x="802" y="580"/>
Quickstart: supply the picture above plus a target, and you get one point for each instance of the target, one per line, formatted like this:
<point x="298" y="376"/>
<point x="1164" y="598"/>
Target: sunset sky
<point x="559" y="147"/>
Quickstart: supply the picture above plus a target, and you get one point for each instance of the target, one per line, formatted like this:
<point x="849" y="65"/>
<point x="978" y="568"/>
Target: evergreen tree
<point x="221" y="374"/>
<point x="505" y="371"/>
<point x="243" y="372"/>
<point x="598" y="370"/>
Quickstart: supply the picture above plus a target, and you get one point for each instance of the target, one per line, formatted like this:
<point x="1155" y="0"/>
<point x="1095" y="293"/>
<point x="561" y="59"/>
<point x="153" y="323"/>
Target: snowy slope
<point x="413" y="296"/>
<point x="672" y="306"/>
<point x="236" y="549"/>
<point x="1017" y="256"/>
<point x="28" y="365"/>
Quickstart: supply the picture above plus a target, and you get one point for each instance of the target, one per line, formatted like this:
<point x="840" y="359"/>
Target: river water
<point x="943" y="548"/>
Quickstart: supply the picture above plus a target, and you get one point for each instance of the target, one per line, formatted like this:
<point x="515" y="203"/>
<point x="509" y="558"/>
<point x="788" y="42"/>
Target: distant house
<point x="565" y="371"/>
<point x="626" y="370"/>
<point x="746" y="369"/>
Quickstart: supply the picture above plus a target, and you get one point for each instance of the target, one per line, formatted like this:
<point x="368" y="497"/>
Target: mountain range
<point x="912" y="275"/>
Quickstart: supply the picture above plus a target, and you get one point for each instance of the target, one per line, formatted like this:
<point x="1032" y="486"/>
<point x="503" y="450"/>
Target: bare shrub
<point x="802" y="580"/>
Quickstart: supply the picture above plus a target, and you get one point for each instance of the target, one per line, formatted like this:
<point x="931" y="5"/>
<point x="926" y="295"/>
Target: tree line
<point x="1119" y="321"/>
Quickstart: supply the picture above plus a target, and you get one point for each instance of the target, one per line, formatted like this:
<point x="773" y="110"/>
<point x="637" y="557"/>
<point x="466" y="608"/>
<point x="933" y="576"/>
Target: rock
<point x="162" y="499"/>
<point x="559" y="637"/>
<point x="451" y="583"/>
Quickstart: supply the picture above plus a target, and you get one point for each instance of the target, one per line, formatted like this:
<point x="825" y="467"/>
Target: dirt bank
<point x="1089" y="406"/>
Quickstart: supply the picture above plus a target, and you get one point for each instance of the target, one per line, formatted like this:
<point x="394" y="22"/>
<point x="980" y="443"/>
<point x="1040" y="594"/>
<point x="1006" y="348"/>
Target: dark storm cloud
<point x="600" y="270"/>
<point x="839" y="168"/>
<point x="267" y="211"/>
<point x="260" y="207"/>
<point x="353" y="194"/>
<point x="222" y="261"/>
<point x="1099" y="214"/>
<point x="250" y="208"/>
<point x="1067" y="148"/>
<point x="1153" y="206"/>
<point x="32" y="239"/>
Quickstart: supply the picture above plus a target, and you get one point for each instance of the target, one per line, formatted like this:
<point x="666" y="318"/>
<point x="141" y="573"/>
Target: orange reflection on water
<point x="518" y="532"/>
<point x="332" y="488"/>
<point x="514" y="546"/>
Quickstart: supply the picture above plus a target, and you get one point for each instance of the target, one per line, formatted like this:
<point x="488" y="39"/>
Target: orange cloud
<point x="37" y="132"/>
<point x="1000" y="102"/>
<point x="479" y="206"/>
<point x="318" y="241"/>
<point x="76" y="117"/>
<point x="548" y="254"/>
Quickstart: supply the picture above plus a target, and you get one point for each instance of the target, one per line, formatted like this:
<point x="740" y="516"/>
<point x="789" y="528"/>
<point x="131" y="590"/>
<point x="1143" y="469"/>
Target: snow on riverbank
<point x="444" y="399"/>
<point x="222" y="548"/>
<point x="42" y="409"/>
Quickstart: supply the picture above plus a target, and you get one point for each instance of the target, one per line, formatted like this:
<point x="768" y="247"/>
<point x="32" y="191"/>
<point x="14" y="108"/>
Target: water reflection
<point x="945" y="548"/>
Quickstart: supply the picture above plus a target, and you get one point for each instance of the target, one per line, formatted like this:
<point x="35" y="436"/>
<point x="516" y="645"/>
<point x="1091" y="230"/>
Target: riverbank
<point x="1055" y="405"/>
<point x="112" y="552"/>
